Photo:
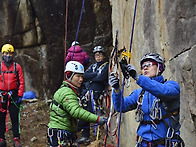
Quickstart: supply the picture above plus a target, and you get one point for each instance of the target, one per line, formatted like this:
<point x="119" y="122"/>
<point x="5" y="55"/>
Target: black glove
<point x="132" y="71"/>
<point x="18" y="100"/>
<point x="102" y="120"/>
<point x="114" y="81"/>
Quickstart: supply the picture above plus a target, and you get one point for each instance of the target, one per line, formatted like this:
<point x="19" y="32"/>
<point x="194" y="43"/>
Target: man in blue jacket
<point x="96" y="81"/>
<point x="157" y="103"/>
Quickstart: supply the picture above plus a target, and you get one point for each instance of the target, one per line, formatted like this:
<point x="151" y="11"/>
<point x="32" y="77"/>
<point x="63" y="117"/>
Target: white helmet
<point x="98" y="49"/>
<point x="75" y="67"/>
<point x="74" y="43"/>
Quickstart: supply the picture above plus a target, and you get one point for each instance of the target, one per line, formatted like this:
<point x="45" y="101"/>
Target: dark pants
<point x="14" y="115"/>
<point x="83" y="124"/>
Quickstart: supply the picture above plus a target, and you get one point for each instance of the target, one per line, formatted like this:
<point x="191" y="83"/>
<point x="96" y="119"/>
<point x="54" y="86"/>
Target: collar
<point x="158" y="79"/>
<point x="70" y="85"/>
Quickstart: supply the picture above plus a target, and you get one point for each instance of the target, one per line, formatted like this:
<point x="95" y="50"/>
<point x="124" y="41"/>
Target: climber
<point x="76" y="53"/>
<point x="95" y="78"/>
<point x="157" y="103"/>
<point x="65" y="108"/>
<point x="11" y="92"/>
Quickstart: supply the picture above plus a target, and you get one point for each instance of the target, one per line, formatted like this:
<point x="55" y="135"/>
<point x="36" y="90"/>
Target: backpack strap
<point x="16" y="73"/>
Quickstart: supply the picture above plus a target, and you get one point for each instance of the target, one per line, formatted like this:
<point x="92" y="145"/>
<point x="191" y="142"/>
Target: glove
<point x="102" y="120"/>
<point x="114" y="81"/>
<point x="132" y="71"/>
<point x="19" y="100"/>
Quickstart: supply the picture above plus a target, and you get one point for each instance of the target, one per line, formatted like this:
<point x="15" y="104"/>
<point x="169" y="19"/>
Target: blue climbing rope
<point x="78" y="27"/>
<point x="133" y="24"/>
<point x="133" y="28"/>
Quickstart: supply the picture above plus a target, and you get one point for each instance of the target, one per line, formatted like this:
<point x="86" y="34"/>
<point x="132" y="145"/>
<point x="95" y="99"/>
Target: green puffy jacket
<point x="68" y="120"/>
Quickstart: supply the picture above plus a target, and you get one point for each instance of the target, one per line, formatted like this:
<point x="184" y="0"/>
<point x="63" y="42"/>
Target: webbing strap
<point x="157" y="121"/>
<point x="58" y="105"/>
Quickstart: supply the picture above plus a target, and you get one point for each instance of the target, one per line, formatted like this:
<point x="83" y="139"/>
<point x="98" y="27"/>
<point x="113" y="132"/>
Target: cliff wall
<point x="168" y="28"/>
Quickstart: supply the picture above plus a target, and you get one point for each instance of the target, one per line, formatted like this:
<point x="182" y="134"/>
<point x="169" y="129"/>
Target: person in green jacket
<point x="66" y="110"/>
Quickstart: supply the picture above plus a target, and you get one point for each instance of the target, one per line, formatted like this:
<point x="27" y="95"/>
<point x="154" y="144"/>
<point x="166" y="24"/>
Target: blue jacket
<point x="168" y="92"/>
<point x="96" y="76"/>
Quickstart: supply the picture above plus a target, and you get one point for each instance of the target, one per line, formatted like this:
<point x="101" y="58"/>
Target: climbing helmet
<point x="154" y="57"/>
<point x="98" y="49"/>
<point x="74" y="43"/>
<point x="7" y="48"/>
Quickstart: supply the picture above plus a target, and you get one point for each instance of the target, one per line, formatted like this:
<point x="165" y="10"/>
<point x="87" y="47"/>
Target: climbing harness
<point x="100" y="68"/>
<point x="6" y="98"/>
<point x="96" y="104"/>
<point x="64" y="137"/>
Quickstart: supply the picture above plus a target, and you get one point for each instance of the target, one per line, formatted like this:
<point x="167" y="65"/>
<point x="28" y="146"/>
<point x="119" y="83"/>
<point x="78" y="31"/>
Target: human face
<point x="77" y="79"/>
<point x="8" y="53"/>
<point x="99" y="56"/>
<point x="149" y="69"/>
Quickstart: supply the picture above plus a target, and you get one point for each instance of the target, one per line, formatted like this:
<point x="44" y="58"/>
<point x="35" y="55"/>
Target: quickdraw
<point x="113" y="116"/>
<point x="139" y="113"/>
<point x="155" y="111"/>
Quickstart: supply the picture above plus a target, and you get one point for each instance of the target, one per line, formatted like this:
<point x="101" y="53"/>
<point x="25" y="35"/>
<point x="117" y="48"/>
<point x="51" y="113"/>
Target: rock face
<point x="166" y="27"/>
<point x="36" y="28"/>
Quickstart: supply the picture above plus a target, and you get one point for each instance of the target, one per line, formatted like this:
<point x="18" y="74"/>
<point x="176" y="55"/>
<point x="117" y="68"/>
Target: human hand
<point x="19" y="100"/>
<point x="102" y="120"/>
<point x="132" y="71"/>
<point x="113" y="81"/>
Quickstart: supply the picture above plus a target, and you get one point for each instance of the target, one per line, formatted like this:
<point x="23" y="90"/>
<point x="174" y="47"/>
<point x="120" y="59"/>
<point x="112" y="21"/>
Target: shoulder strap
<point x="58" y="105"/>
<point x="16" y="73"/>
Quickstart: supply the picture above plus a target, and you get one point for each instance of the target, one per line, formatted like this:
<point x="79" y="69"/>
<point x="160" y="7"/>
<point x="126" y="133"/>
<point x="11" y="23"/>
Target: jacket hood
<point x="77" y="49"/>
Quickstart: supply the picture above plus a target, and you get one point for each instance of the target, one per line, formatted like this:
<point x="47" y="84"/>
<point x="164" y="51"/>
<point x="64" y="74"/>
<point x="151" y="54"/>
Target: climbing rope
<point x="124" y="77"/>
<point x="78" y="27"/>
